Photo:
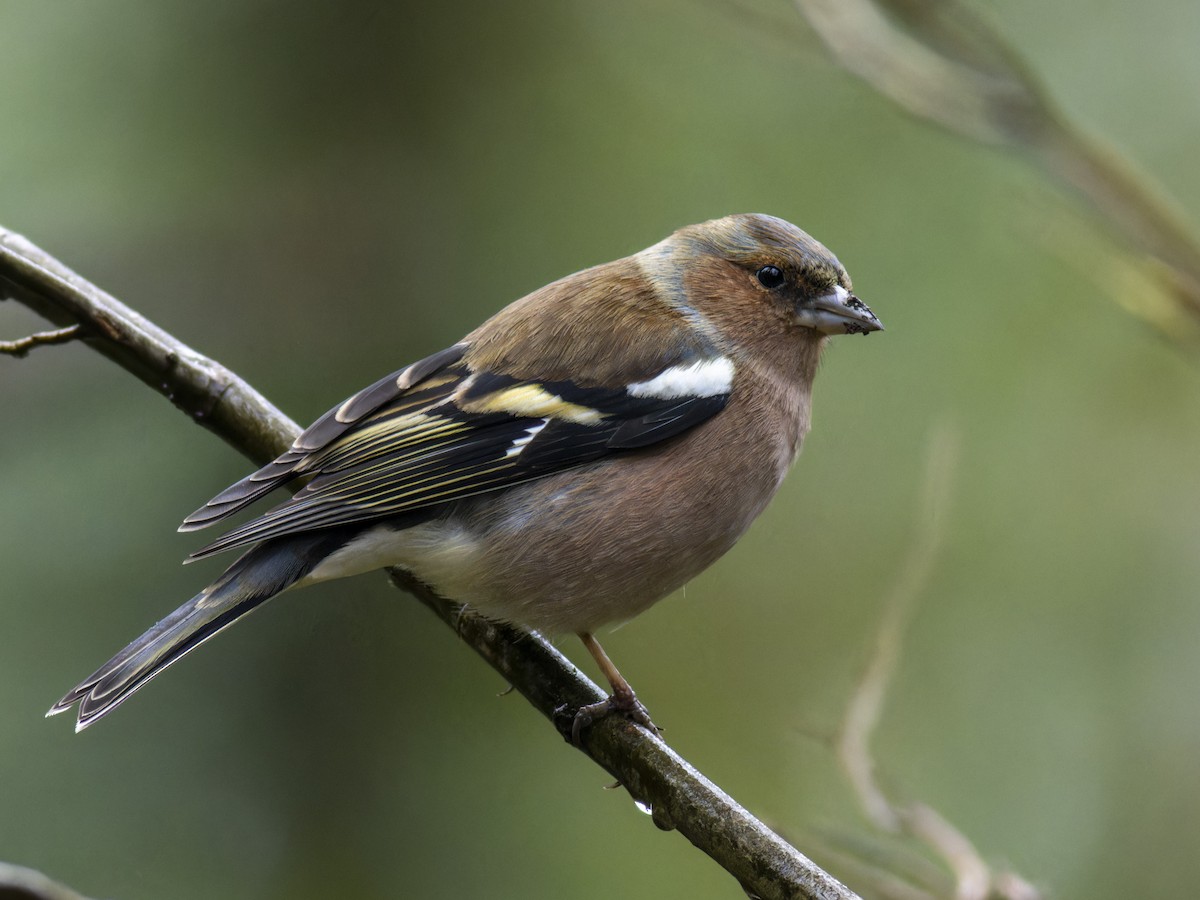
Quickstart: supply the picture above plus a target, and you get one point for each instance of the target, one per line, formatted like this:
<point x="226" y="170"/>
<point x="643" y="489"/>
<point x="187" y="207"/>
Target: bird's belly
<point x="571" y="554"/>
<point x="579" y="549"/>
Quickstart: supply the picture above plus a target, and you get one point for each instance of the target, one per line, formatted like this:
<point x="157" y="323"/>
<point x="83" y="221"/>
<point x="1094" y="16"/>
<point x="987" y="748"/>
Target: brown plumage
<point x="576" y="458"/>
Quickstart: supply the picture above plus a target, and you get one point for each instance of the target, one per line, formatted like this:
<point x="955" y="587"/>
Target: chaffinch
<point x="579" y="456"/>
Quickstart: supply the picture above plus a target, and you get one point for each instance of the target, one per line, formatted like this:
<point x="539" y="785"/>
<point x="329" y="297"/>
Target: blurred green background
<point x="318" y="193"/>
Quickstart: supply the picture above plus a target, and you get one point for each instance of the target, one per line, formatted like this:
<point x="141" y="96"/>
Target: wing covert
<point x="334" y="423"/>
<point x="456" y="433"/>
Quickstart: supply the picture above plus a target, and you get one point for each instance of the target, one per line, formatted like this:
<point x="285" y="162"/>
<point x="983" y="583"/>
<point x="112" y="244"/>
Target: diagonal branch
<point x="204" y="389"/>
<point x="945" y="63"/>
<point x="20" y="883"/>
<point x="678" y="796"/>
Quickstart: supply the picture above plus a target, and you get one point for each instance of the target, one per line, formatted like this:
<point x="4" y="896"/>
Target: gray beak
<point x="838" y="312"/>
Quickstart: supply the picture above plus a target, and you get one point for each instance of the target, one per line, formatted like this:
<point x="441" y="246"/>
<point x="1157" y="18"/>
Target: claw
<point x="624" y="702"/>
<point x="623" y="699"/>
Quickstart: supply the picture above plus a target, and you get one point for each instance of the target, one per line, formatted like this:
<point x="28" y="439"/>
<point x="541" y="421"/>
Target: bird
<point x="579" y="456"/>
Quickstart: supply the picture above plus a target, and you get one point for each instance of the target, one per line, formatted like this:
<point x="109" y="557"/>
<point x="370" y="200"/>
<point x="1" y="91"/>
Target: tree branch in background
<point x="19" y="883"/>
<point x="677" y="795"/>
<point x="896" y="878"/>
<point x="943" y="62"/>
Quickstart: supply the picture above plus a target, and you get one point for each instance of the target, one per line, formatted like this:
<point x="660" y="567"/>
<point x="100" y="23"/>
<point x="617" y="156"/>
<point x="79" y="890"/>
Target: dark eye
<point x="769" y="277"/>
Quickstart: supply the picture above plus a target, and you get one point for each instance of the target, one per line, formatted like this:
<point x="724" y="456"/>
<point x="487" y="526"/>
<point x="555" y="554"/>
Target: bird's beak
<point x="838" y="312"/>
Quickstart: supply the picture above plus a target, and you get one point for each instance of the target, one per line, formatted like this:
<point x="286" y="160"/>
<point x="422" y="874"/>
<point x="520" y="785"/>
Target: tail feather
<point x="254" y="578"/>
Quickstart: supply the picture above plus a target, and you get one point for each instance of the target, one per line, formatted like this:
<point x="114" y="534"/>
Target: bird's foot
<point x="624" y="702"/>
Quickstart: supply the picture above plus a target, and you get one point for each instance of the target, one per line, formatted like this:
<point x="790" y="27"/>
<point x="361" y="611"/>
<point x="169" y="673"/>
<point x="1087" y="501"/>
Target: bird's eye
<point x="769" y="277"/>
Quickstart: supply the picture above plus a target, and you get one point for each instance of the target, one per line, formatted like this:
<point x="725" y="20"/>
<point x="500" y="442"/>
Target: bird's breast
<point x="601" y="543"/>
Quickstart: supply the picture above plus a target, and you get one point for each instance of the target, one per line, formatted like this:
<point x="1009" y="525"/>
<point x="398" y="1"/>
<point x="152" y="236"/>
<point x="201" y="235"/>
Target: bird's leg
<point x="623" y="699"/>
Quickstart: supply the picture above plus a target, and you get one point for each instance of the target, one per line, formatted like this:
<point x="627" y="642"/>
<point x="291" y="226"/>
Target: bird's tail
<point x="254" y="578"/>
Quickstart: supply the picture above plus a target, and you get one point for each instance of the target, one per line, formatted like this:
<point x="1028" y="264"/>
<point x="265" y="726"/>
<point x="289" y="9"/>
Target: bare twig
<point x="945" y="63"/>
<point x="973" y="878"/>
<point x="22" y="346"/>
<point x="204" y="389"/>
<point x="678" y="796"/>
<point x="866" y="704"/>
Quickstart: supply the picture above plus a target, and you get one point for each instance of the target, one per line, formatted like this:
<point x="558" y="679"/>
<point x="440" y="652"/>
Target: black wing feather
<point x="437" y="432"/>
<point x="661" y="424"/>
<point x="320" y="434"/>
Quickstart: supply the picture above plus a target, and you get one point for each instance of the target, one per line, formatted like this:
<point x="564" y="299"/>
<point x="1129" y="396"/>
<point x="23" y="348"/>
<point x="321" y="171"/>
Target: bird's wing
<point x="438" y="431"/>
<point x="405" y="389"/>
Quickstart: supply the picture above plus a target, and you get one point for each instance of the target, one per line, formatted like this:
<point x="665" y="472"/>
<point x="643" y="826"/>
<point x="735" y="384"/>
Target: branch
<point x="21" y="347"/>
<point x="208" y="392"/>
<point x="973" y="878"/>
<point x="678" y="796"/>
<point x="20" y="883"/>
<point x="945" y="63"/>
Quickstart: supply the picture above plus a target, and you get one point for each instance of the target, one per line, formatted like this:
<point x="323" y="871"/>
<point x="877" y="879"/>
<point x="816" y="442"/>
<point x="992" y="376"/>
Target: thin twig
<point x="866" y="704"/>
<point x="973" y="878"/>
<point x="22" y="346"/>
<point x="678" y="796"/>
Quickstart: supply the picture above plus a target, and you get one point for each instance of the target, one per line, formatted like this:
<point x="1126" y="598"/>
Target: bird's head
<point x="743" y="265"/>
